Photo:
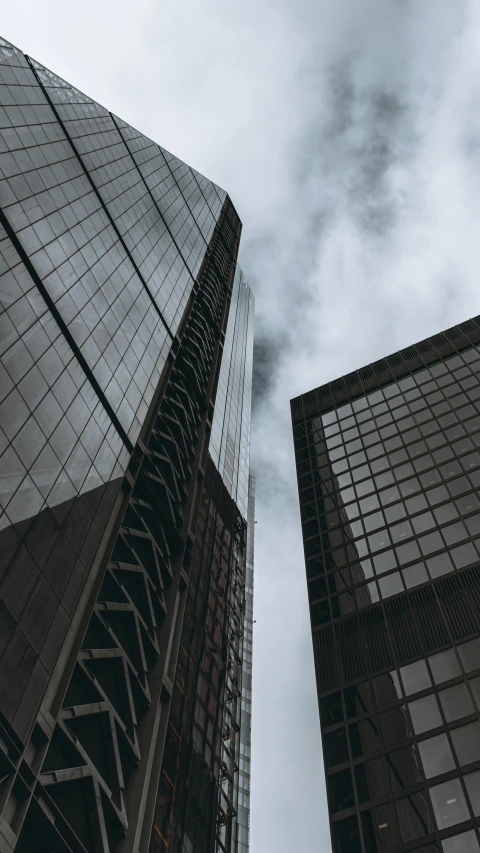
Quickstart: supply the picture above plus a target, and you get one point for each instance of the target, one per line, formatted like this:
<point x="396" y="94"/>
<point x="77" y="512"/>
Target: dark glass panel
<point x="364" y="737"/>
<point x="380" y="830"/>
<point x="404" y="768"/>
<point x="395" y="726"/>
<point x="358" y="699"/>
<point x="340" y="791"/>
<point x="414" y="815"/>
<point x="331" y="710"/>
<point x="335" y="748"/>
<point x="346" y="836"/>
<point x="372" y="780"/>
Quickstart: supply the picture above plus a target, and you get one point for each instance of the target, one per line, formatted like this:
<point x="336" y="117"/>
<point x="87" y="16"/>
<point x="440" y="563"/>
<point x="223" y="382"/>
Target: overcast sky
<point x="347" y="133"/>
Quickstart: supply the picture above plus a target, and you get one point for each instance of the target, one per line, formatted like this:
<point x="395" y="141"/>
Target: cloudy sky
<point x="348" y="136"/>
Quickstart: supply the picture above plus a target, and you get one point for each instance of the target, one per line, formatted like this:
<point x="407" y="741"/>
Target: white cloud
<point x="348" y="136"/>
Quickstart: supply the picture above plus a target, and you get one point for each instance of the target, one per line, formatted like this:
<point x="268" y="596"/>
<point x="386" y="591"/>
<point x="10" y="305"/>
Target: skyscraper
<point x="388" y="474"/>
<point x="126" y="335"/>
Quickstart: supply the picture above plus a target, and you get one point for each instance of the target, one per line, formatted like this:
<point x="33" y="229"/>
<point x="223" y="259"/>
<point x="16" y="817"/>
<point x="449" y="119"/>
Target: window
<point x="449" y="804"/>
<point x="331" y="710"/>
<point x="401" y="531"/>
<point x="346" y="836"/>
<point x="464" y="843"/>
<point x="372" y="780"/>
<point x="404" y="768"/>
<point x="415" y="677"/>
<point x="436" y="496"/>
<point x="423" y="522"/>
<point x="445" y="513"/>
<point x="431" y="542"/>
<point x="414" y="816"/>
<point x="369" y="504"/>
<point x="384" y="562"/>
<point x="475" y="685"/>
<point x="395" y="512"/>
<point x="456" y="702"/>
<point x="436" y="756"/>
<point x="454" y="533"/>
<point x="470" y="655"/>
<point x="395" y="726"/>
<point x="441" y="564"/>
<point x="415" y="504"/>
<point x="364" y="737"/>
<point x="466" y="741"/>
<point x="425" y="714"/>
<point x="335" y="748"/>
<point x="468" y="503"/>
<point x="408" y="552"/>
<point x="358" y="699"/>
<point x="380" y="828"/>
<point x="340" y="791"/>
<point x="463" y="555"/>
<point x="386" y="688"/>
<point x="373" y="522"/>
<point x="390" y="585"/>
<point x="472" y="782"/>
<point x="415" y="575"/>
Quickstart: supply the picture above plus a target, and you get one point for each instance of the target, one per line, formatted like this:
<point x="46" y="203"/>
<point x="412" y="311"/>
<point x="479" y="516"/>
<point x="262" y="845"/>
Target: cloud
<point x="348" y="136"/>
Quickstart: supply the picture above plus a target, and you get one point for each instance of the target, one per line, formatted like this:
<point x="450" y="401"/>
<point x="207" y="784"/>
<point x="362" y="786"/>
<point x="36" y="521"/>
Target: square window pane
<point x="464" y="843"/>
<point x="431" y="542"/>
<point x="414" y="816"/>
<point x="436" y="756"/>
<point x="440" y="564"/>
<point x="380" y="828"/>
<point x="395" y="726"/>
<point x="466" y="742"/>
<point x="346" y="836"/>
<point x="470" y="654"/>
<point x="456" y="702"/>
<point x="372" y="780"/>
<point x="407" y="552"/>
<point x="425" y="714"/>
<point x="444" y="666"/>
<point x="364" y="737"/>
<point x="384" y="562"/>
<point x="472" y="781"/>
<point x="449" y="804"/>
<point x="404" y="768"/>
<point x="415" y="677"/>
<point x="415" y="575"/>
<point x="463" y="555"/>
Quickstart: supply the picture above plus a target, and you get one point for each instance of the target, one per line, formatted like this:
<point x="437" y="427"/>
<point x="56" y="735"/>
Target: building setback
<point x="388" y="469"/>
<point x="126" y="338"/>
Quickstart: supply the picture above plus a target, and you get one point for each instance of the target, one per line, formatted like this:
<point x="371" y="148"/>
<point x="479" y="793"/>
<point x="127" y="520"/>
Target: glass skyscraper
<point x="126" y="336"/>
<point x="388" y="468"/>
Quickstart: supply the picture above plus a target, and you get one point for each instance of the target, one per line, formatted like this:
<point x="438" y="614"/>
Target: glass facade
<point x="389" y="473"/>
<point x="243" y="800"/>
<point x="126" y="340"/>
<point x="230" y="441"/>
